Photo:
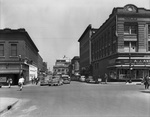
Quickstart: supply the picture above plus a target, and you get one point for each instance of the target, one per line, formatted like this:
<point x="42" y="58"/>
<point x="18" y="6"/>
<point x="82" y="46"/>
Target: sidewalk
<point x="7" y="103"/>
<point x="133" y="83"/>
<point x="26" y="85"/>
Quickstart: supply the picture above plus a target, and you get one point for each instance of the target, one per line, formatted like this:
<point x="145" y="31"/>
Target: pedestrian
<point x="20" y="83"/>
<point x="106" y="78"/>
<point x="32" y="80"/>
<point x="146" y="82"/>
<point x="36" y="80"/>
<point x="9" y="81"/>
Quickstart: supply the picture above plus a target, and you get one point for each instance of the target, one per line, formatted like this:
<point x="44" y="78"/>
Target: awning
<point x="10" y="71"/>
<point x="127" y="66"/>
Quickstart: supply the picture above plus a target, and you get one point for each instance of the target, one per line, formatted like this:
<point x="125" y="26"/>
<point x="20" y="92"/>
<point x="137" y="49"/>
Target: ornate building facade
<point x="121" y="46"/>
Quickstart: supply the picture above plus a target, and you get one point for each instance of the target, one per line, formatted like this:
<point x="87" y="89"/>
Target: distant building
<point x="18" y="55"/>
<point x="74" y="68"/>
<point x="61" y="66"/>
<point x="85" y="50"/>
<point x="121" y="46"/>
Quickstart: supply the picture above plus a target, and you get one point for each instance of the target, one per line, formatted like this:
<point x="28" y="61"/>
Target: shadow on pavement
<point x="145" y="91"/>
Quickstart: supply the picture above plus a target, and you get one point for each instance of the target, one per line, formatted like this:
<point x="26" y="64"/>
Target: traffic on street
<point x="79" y="99"/>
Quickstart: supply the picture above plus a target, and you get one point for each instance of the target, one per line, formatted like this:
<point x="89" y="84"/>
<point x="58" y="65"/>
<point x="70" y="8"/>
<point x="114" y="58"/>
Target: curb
<point x="8" y="107"/>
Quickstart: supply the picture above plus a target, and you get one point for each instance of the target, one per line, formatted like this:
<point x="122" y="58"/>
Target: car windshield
<point x="65" y="77"/>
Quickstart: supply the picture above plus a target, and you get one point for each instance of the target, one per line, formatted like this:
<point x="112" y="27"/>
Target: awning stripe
<point x="12" y="71"/>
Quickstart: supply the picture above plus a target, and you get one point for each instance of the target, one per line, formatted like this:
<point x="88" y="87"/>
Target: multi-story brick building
<point x="85" y="50"/>
<point x="121" y="46"/>
<point x="18" y="55"/>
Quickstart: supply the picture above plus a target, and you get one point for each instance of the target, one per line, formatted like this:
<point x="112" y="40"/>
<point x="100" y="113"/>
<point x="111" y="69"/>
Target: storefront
<point x="124" y="69"/>
<point x="13" y="70"/>
<point x="33" y="71"/>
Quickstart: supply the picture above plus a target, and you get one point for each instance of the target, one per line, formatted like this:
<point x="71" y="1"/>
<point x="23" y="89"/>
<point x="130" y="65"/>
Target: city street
<point x="79" y="100"/>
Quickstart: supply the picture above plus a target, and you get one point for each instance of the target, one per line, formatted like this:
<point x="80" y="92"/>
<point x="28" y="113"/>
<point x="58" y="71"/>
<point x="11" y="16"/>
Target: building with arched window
<point x="121" y="46"/>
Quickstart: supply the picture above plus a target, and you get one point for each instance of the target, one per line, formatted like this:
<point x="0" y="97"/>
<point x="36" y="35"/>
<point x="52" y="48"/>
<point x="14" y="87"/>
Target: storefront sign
<point x="32" y="72"/>
<point x="134" y="61"/>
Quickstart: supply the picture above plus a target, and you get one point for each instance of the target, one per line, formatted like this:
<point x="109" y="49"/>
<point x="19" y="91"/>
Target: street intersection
<point x="79" y="100"/>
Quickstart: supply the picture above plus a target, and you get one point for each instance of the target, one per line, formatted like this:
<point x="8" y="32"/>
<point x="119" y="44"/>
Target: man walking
<point x="20" y="83"/>
<point x="9" y="81"/>
<point x="106" y="78"/>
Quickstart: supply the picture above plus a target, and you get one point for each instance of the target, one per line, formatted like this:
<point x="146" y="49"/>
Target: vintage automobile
<point x="44" y="80"/>
<point x="82" y="79"/>
<point x="66" y="79"/>
<point x="56" y="81"/>
<point x="90" y="79"/>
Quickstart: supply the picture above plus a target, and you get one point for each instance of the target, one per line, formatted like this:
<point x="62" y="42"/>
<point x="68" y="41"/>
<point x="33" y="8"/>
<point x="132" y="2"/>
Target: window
<point x="130" y="28"/>
<point x="149" y="29"/>
<point x="126" y="46"/>
<point x="1" y="49"/>
<point x="13" y="49"/>
<point x="149" y="46"/>
<point x="130" y="46"/>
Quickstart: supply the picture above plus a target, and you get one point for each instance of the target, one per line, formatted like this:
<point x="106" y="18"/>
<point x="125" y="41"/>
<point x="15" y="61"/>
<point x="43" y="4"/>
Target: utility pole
<point x="130" y="67"/>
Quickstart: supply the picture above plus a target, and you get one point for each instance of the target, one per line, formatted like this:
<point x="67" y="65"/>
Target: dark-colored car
<point x="90" y="79"/>
<point x="44" y="80"/>
<point x="66" y="79"/>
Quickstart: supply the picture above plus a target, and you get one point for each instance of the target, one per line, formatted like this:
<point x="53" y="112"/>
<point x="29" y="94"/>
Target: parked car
<point x="44" y="80"/>
<point x="56" y="81"/>
<point x="66" y="79"/>
<point x="90" y="79"/>
<point x="82" y="78"/>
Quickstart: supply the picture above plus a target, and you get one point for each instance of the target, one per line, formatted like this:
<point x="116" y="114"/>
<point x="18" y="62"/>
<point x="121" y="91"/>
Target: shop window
<point x="1" y="49"/>
<point x="13" y="49"/>
<point x="130" y="28"/>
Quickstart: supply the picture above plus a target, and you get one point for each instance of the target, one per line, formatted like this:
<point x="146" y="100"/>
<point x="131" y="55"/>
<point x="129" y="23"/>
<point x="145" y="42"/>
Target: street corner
<point x="7" y="103"/>
<point x="146" y="91"/>
<point x="134" y="83"/>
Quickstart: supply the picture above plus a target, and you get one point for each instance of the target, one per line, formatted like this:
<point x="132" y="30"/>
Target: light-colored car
<point x="82" y="78"/>
<point x="44" y="80"/>
<point x="56" y="81"/>
<point x="66" y="79"/>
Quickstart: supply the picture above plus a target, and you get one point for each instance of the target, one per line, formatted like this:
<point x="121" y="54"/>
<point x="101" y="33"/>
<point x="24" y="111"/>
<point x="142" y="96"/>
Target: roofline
<point x="20" y="30"/>
<point x="88" y="28"/>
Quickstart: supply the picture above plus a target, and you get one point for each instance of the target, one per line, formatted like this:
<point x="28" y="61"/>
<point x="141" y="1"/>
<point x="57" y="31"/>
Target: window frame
<point x="13" y="51"/>
<point x="148" y="29"/>
<point x="148" y="45"/>
<point x="130" y="28"/>
<point x="2" y="51"/>
<point x="128" y="45"/>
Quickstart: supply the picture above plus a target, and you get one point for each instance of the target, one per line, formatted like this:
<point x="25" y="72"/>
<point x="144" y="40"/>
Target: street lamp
<point x="19" y="66"/>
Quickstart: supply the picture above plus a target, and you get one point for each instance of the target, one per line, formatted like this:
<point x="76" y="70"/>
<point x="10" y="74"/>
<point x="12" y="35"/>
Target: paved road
<point x="79" y="100"/>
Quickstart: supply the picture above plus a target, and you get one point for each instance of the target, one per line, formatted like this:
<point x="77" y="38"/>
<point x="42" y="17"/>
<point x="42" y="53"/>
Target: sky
<point x="56" y="25"/>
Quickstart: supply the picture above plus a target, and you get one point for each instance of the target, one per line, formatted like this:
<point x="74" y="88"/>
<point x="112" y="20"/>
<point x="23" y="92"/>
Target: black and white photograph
<point x="74" y="58"/>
